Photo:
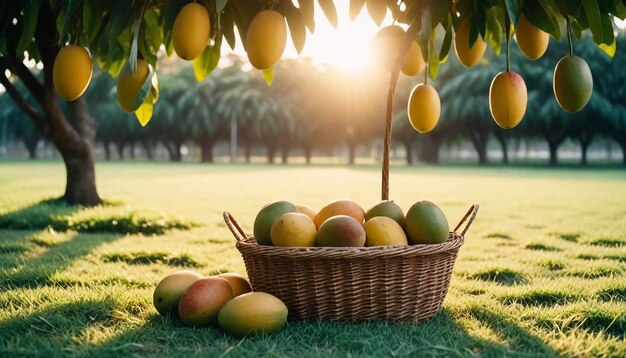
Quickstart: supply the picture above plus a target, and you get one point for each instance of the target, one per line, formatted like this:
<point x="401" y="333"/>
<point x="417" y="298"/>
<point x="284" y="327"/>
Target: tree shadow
<point x="440" y="336"/>
<point x="38" y="215"/>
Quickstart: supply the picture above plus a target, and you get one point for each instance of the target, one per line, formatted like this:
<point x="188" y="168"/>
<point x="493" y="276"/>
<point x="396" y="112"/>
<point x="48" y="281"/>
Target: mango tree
<point x="64" y="37"/>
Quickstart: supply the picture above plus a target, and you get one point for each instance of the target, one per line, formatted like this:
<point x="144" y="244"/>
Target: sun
<point x="348" y="47"/>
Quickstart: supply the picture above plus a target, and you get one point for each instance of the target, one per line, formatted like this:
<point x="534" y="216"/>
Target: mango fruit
<point x="306" y="211"/>
<point x="414" y="61"/>
<point x="191" y="30"/>
<point x="266" y="39"/>
<point x="341" y="231"/>
<point x="238" y="283"/>
<point x="252" y="314"/>
<point x="425" y="223"/>
<point x="128" y="85"/>
<point x="468" y="55"/>
<point x="71" y="72"/>
<point x="572" y="83"/>
<point x="386" y="208"/>
<point x="387" y="45"/>
<point x="266" y="217"/>
<point x="507" y="99"/>
<point x="532" y="41"/>
<point x="168" y="292"/>
<point x="384" y="231"/>
<point x="340" y="207"/>
<point x="200" y="304"/>
<point x="293" y="230"/>
<point x="424" y="108"/>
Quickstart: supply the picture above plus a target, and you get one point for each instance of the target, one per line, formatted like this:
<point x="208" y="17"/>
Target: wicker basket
<point x="398" y="283"/>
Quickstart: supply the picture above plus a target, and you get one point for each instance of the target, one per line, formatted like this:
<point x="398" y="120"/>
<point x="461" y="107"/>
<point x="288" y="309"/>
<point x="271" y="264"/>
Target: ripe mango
<point x="306" y="211"/>
<point x="167" y="293"/>
<point x="238" y="283"/>
<point x="468" y="56"/>
<point x="293" y="230"/>
<point x="200" y="304"/>
<point x="414" y="61"/>
<point x="387" y="45"/>
<point x="266" y="39"/>
<point x="507" y="99"/>
<point x="426" y="224"/>
<point x="128" y="85"/>
<point x="384" y="231"/>
<point x="532" y="41"/>
<point x="340" y="207"/>
<point x="266" y="217"/>
<point x="190" y="33"/>
<point x="572" y="83"/>
<point x="424" y="108"/>
<point x="341" y="231"/>
<point x="72" y="72"/>
<point x="253" y="313"/>
<point x="386" y="208"/>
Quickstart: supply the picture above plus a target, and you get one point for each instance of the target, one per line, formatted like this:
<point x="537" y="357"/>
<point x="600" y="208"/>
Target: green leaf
<point x="355" y="8"/>
<point x="447" y="41"/>
<point x="307" y="8"/>
<point x="31" y="14"/>
<point x="132" y="60"/>
<point x="72" y="6"/>
<point x="144" y="90"/>
<point x="154" y="88"/>
<point x="620" y="10"/>
<point x="514" y="9"/>
<point x="609" y="49"/>
<point x="577" y="30"/>
<point x="433" y="58"/>
<point x="607" y="30"/>
<point x="296" y="26"/>
<point x="439" y="11"/>
<point x="228" y="26"/>
<point x="495" y="29"/>
<point x="328" y="7"/>
<point x="592" y="13"/>
<point x="268" y="76"/>
<point x="220" y="5"/>
<point x="93" y="14"/>
<point x="538" y="17"/>
<point x="120" y="20"/>
<point x="208" y="60"/>
<point x="144" y="112"/>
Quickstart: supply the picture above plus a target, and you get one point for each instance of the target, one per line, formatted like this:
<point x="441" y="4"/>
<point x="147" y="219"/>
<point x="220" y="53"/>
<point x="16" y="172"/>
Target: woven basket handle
<point x="471" y="214"/>
<point x="234" y="227"/>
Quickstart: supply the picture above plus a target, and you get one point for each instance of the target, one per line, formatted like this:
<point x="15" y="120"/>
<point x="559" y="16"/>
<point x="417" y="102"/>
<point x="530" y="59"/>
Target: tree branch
<point x="30" y="81"/>
<point x="23" y="104"/>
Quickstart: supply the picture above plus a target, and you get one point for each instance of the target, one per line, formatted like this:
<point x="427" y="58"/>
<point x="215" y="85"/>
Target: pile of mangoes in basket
<point x="343" y="223"/>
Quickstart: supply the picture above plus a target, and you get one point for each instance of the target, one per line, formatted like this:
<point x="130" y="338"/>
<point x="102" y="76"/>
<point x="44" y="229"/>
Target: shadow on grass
<point x="441" y="336"/>
<point x="40" y="270"/>
<point x="55" y="214"/>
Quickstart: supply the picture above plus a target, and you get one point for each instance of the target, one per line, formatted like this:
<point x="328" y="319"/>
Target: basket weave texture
<point x="396" y="283"/>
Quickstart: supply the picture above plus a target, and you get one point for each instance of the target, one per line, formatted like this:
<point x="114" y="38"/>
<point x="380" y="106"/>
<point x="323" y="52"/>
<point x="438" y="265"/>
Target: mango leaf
<point x="619" y="10"/>
<point x="328" y="7"/>
<point x="577" y="30"/>
<point x="296" y="26"/>
<point x="268" y="76"/>
<point x="72" y="6"/>
<point x="93" y="14"/>
<point x="31" y="14"/>
<point x="377" y="9"/>
<point x="308" y="13"/>
<point x="514" y="9"/>
<point x="433" y="58"/>
<point x="609" y="49"/>
<point x="220" y="5"/>
<point x="495" y="28"/>
<point x="144" y="90"/>
<point x="144" y="112"/>
<point x="154" y="88"/>
<point x="152" y="29"/>
<point x="439" y="11"/>
<point x="592" y="13"/>
<point x="227" y="25"/>
<point x="208" y="60"/>
<point x="607" y="30"/>
<point x="447" y="40"/>
<point x="132" y="60"/>
<point x="355" y="8"/>
<point x="538" y="17"/>
<point x="119" y="21"/>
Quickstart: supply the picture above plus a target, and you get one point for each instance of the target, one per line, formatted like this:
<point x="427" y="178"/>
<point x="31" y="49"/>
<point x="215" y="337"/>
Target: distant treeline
<point x="312" y="109"/>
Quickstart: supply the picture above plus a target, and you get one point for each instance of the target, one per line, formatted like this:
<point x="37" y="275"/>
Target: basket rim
<point x="249" y="245"/>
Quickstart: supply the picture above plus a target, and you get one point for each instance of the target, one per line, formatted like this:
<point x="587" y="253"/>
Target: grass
<point x="73" y="290"/>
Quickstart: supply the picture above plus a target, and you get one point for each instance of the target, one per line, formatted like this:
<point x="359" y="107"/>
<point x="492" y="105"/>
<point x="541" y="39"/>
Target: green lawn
<point x="543" y="271"/>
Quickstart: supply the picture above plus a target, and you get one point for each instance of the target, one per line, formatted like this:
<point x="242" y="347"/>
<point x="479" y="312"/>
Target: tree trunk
<point x="284" y="153"/>
<point x="351" y="153"/>
<point x="107" y="150"/>
<point x="271" y="151"/>
<point x="120" y="145"/>
<point x="584" y="146"/>
<point x="307" y="153"/>
<point x="173" y="149"/>
<point x="623" y="145"/>
<point x="78" y="156"/>
<point x="248" y="152"/>
<point x="131" y="150"/>
<point x="206" y="150"/>
<point x="31" y="147"/>
<point x="504" y="145"/>
<point x="554" y="153"/>
<point x="148" y="148"/>
<point x="408" y="146"/>
<point x="479" y="140"/>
